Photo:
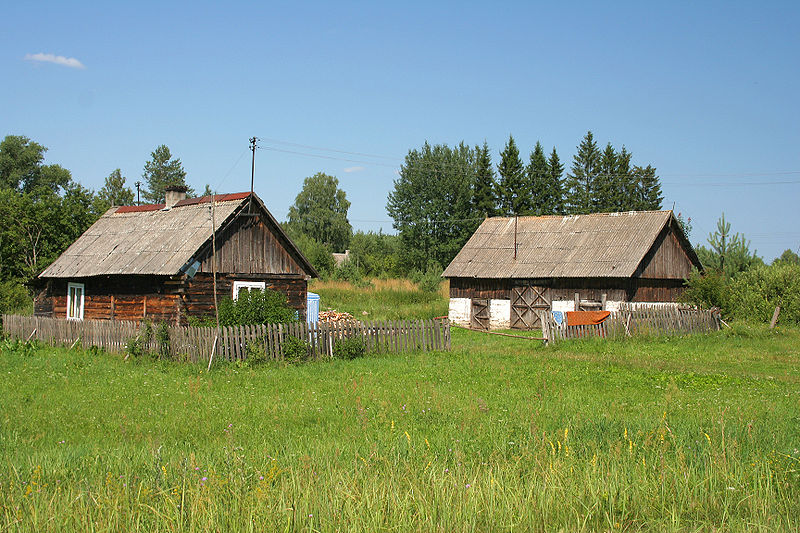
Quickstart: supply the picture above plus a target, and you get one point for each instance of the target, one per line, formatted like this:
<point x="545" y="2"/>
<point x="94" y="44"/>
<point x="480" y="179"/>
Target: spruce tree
<point x="163" y="171"/>
<point x="538" y="182"/>
<point x="555" y="171"/>
<point x="651" y="197"/>
<point x="514" y="198"/>
<point x="580" y="184"/>
<point x="483" y="200"/>
<point x="606" y="189"/>
<point x="626" y="182"/>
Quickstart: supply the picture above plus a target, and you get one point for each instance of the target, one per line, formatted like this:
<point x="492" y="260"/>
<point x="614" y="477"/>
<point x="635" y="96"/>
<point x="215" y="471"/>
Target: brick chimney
<point x="174" y="194"/>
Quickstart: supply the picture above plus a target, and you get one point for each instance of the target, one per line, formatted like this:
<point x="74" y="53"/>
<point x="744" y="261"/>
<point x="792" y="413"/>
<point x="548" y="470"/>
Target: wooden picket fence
<point x="197" y="343"/>
<point x="638" y="319"/>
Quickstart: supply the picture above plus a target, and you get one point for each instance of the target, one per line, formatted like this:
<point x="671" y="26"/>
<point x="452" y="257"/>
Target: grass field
<point x="499" y="434"/>
<point x="390" y="299"/>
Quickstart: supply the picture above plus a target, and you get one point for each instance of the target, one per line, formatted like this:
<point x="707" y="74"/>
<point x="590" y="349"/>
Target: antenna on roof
<point x="253" y="147"/>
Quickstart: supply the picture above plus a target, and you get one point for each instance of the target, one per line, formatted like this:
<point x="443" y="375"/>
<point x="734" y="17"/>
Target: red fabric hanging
<point x="586" y="318"/>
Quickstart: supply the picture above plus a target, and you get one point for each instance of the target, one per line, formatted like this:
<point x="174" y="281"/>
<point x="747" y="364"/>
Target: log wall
<point x="160" y="298"/>
<point x="618" y="289"/>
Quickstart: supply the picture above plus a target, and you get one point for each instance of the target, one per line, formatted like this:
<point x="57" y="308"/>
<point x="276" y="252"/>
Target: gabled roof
<point x="579" y="246"/>
<point x="153" y="240"/>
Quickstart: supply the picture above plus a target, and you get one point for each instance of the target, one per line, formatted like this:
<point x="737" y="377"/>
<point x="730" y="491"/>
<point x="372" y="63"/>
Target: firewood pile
<point x="335" y="317"/>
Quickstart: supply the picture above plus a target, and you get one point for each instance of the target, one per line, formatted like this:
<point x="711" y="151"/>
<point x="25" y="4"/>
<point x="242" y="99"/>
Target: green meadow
<point x="499" y="434"/>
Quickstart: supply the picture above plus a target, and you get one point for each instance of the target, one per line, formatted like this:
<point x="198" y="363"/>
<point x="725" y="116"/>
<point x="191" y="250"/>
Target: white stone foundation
<point x="499" y="314"/>
<point x="459" y="311"/>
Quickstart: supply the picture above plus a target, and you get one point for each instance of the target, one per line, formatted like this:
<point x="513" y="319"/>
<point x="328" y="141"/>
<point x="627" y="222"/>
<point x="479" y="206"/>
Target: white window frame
<point x="82" y="288"/>
<point x="249" y="285"/>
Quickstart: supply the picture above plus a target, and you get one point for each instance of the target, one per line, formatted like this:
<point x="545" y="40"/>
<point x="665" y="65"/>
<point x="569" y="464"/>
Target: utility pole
<point x="138" y="184"/>
<point x="252" y="170"/>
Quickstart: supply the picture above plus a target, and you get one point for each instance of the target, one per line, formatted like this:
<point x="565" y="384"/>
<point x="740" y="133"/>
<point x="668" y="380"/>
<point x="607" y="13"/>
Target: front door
<point x="526" y="302"/>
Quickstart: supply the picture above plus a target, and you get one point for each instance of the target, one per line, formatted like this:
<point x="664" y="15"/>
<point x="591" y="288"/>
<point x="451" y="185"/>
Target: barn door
<point x="526" y="302"/>
<point x="479" y="317"/>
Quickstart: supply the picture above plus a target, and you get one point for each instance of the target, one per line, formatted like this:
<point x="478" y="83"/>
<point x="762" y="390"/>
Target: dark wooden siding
<point x="113" y="297"/>
<point x="666" y="259"/>
<point x="198" y="293"/>
<point x="249" y="246"/>
<point x="160" y="298"/>
<point x="617" y="289"/>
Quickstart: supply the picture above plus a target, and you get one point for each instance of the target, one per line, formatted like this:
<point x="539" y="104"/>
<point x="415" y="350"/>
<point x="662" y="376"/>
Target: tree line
<point x="443" y="193"/>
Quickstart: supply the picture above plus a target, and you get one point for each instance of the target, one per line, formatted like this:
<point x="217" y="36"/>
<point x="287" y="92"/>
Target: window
<point x="248" y="286"/>
<point x="75" y="301"/>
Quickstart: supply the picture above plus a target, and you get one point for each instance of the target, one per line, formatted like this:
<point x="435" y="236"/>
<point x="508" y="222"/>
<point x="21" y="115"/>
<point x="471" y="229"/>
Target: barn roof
<point x="578" y="246"/>
<point x="152" y="240"/>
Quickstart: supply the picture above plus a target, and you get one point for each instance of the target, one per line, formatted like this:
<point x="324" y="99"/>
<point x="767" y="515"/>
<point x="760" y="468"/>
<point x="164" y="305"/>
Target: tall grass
<point x="500" y="434"/>
<point x="382" y="299"/>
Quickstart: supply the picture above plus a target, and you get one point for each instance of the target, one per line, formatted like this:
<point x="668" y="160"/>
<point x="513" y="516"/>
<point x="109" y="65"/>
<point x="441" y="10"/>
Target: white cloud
<point x="354" y="169"/>
<point x="70" y="62"/>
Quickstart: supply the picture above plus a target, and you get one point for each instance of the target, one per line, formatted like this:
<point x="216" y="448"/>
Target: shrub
<point x="256" y="352"/>
<point x="294" y="350"/>
<point x="13" y="297"/>
<point x="349" y="271"/>
<point x="256" y="307"/>
<point x="162" y="340"/>
<point x="349" y="348"/>
<point x="751" y="295"/>
<point x="756" y="292"/>
<point x="429" y="280"/>
<point x="711" y="289"/>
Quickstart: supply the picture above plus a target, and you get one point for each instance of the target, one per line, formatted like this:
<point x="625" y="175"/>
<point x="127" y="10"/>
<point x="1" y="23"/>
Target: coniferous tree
<point x="580" y="184"/>
<point x="626" y="182"/>
<point x="555" y="171"/>
<point x="163" y="171"/>
<point x="538" y="182"/>
<point x="606" y="187"/>
<point x="651" y="189"/>
<point x="484" y="201"/>
<point x="113" y="192"/>
<point x="514" y="198"/>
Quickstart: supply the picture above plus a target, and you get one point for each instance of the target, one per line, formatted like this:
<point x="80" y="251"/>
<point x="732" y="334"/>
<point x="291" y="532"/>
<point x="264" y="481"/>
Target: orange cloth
<point x="586" y="318"/>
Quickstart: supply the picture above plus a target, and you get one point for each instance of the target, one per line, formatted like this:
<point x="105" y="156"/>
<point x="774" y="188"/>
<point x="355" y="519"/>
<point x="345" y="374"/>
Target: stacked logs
<point x="335" y="317"/>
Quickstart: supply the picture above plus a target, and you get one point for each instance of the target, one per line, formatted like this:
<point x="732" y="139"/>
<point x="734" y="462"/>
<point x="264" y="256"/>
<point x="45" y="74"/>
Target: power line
<point x="661" y="177"/>
<point x="276" y="141"/>
<point x="273" y="149"/>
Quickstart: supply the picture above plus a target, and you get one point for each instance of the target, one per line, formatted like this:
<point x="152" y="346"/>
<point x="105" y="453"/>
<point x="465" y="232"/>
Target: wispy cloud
<point x="354" y="169"/>
<point x="70" y="62"/>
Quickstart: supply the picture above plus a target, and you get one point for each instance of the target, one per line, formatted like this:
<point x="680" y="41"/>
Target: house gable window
<point x="247" y="286"/>
<point x="75" y="301"/>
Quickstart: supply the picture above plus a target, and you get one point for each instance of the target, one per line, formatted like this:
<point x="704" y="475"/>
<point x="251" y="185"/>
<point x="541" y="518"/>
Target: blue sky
<point x="707" y="93"/>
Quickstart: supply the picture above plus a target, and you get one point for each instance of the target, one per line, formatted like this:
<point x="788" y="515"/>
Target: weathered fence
<point x="629" y="321"/>
<point x="196" y="343"/>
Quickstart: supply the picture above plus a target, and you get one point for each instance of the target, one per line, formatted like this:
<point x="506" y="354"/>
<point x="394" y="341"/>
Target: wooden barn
<point x="512" y="268"/>
<point x="155" y="261"/>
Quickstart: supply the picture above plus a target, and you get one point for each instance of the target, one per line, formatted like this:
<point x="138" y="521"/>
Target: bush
<point x="294" y="350"/>
<point x="13" y="297"/>
<point x="711" y="289"/>
<point x="349" y="271"/>
<point x="256" y="353"/>
<point x="751" y="295"/>
<point x="256" y="307"/>
<point x="429" y="280"/>
<point x="756" y="292"/>
<point x="349" y="348"/>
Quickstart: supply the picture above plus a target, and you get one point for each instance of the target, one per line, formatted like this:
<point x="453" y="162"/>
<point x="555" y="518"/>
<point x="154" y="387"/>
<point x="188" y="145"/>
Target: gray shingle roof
<point x="578" y="246"/>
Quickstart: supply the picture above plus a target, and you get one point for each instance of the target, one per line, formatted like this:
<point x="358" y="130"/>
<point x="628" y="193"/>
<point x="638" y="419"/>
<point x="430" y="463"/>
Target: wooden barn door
<point x="526" y="302"/>
<point x="479" y="317"/>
